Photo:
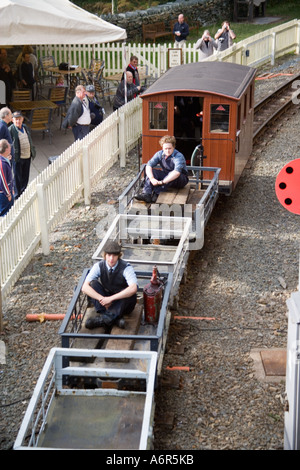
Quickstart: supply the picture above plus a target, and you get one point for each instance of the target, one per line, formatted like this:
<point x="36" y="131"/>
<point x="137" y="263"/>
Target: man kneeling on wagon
<point x="173" y="172"/>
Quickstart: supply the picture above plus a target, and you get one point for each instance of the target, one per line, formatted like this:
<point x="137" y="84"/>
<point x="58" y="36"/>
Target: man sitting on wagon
<point x="173" y="172"/>
<point x="111" y="285"/>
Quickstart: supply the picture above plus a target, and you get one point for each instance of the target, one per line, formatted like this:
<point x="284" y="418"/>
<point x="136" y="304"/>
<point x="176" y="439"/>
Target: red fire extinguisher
<point x="152" y="293"/>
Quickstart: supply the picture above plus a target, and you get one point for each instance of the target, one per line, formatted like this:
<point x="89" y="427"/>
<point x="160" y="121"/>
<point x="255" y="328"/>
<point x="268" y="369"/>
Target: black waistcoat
<point x="117" y="282"/>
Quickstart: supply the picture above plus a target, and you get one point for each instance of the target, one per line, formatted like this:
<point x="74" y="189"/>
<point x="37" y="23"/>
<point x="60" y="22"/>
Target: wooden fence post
<point x="86" y="175"/>
<point x="122" y="138"/>
<point x="1" y="316"/>
<point x="42" y="217"/>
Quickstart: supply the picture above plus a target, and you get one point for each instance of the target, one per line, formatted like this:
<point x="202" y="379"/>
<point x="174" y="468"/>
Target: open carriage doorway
<point x="188" y="123"/>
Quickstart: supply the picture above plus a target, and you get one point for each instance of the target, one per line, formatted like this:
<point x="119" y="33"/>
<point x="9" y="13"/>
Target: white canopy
<point x="53" y="22"/>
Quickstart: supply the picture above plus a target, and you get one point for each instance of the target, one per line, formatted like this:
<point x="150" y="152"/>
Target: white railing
<point x="48" y="198"/>
<point x="251" y="51"/>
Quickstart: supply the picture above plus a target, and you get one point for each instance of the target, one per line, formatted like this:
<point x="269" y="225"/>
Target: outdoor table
<point x="29" y="105"/>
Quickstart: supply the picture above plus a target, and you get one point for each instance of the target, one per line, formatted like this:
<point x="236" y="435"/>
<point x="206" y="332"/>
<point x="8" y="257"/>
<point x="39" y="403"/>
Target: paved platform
<point x="61" y="140"/>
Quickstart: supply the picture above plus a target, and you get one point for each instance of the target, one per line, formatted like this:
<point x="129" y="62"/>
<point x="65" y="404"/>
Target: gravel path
<point x="251" y="246"/>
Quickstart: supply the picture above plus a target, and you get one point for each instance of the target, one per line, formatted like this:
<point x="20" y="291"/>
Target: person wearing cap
<point x="6" y="178"/>
<point x="111" y="286"/>
<point x="78" y="117"/>
<point x="95" y="107"/>
<point x="24" y="151"/>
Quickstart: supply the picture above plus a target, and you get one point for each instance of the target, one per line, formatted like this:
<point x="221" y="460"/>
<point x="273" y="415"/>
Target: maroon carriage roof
<point x="220" y="78"/>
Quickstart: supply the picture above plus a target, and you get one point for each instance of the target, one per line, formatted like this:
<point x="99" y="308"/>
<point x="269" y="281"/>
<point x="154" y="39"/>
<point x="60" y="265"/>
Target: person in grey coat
<point x="131" y="91"/>
<point x="206" y="44"/>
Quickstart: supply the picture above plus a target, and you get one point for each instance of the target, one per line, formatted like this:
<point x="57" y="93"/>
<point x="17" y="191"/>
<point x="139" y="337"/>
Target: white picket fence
<point x="49" y="197"/>
<point x="251" y="51"/>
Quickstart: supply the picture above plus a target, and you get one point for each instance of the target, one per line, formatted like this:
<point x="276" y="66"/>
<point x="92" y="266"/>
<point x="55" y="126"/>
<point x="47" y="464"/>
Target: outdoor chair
<point x="96" y="68"/>
<point x="22" y="95"/>
<point x="44" y="63"/>
<point x="40" y="120"/>
<point x="58" y="95"/>
<point x="85" y="78"/>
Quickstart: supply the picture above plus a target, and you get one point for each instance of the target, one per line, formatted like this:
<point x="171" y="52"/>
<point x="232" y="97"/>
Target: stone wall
<point x="206" y="12"/>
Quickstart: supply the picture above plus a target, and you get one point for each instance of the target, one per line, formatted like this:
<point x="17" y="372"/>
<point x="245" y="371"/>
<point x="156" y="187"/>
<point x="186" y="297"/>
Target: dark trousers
<point x="117" y="309"/>
<point x="80" y="132"/>
<point x="5" y="204"/>
<point x="179" y="183"/>
<point x="22" y="174"/>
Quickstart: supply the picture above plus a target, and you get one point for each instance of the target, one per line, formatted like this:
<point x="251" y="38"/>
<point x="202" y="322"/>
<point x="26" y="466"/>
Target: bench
<point x="132" y="325"/>
<point x="174" y="196"/>
<point x="155" y="30"/>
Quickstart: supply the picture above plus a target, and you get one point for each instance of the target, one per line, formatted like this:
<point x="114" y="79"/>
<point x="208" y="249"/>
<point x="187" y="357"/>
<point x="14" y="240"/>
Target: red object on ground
<point x="287" y="186"/>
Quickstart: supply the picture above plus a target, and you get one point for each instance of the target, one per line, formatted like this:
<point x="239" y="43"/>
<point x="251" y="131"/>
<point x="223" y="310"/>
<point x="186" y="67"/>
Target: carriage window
<point x="219" y="118"/>
<point x="158" y="115"/>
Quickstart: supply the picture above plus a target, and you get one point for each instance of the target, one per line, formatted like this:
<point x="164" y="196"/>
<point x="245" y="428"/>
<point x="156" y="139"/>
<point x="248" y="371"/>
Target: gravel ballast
<point x="240" y="280"/>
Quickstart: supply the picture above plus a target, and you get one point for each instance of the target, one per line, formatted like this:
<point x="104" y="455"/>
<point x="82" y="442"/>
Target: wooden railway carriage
<point x="212" y="101"/>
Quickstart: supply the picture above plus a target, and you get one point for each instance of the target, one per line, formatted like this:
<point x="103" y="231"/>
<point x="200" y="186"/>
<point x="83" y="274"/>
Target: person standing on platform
<point x="206" y="44"/>
<point x="6" y="178"/>
<point x="180" y="31"/>
<point x="132" y="67"/>
<point x="225" y="36"/>
<point x="131" y="91"/>
<point x="26" y="73"/>
<point x="5" y="120"/>
<point x="24" y="151"/>
<point x="96" y="109"/>
<point x="78" y="117"/>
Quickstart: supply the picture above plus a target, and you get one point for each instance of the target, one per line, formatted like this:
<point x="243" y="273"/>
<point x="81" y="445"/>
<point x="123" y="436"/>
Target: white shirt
<point x="85" y="118"/>
<point x="128" y="273"/>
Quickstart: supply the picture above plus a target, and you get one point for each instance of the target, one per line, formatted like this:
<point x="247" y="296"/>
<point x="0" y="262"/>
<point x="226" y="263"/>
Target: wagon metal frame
<point x="38" y="429"/>
<point x="199" y="214"/>
<point x="153" y="337"/>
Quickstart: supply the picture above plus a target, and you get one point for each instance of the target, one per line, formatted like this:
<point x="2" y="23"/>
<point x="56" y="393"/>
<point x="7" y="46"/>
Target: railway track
<point x="268" y="110"/>
<point x="211" y="349"/>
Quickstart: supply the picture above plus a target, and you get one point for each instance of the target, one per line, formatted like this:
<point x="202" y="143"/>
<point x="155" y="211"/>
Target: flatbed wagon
<point x="195" y="201"/>
<point x="149" y="241"/>
<point x="137" y="335"/>
<point x="60" y="416"/>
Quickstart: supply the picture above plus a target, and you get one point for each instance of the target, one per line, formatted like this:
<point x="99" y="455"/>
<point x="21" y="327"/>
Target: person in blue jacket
<point x="180" y="31"/>
<point x="96" y="109"/>
<point x="6" y="178"/>
<point x="172" y="174"/>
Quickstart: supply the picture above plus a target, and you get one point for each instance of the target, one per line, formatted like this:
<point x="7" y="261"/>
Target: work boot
<point x="154" y="197"/>
<point x="95" y="322"/>
<point x="146" y="197"/>
<point x="120" y="323"/>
